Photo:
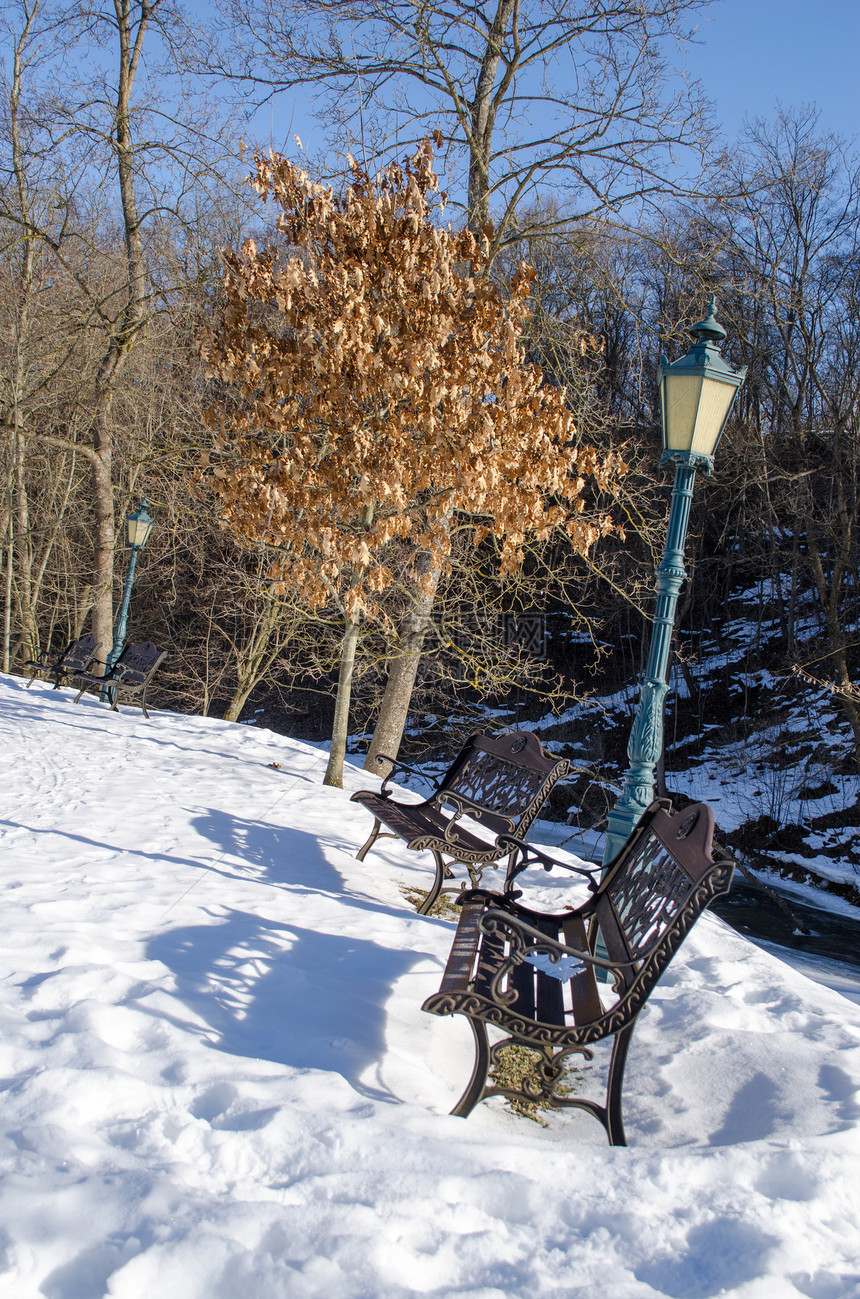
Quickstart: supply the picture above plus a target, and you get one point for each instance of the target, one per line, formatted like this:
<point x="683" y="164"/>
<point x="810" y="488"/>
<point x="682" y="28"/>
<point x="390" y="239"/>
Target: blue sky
<point x="755" y="52"/>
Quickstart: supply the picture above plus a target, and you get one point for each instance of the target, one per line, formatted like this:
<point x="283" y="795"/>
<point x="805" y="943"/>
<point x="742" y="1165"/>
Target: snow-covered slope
<point x="217" y="1080"/>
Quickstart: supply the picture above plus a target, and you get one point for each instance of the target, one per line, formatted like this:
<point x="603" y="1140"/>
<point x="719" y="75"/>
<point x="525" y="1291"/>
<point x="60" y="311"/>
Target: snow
<point x="217" y="1079"/>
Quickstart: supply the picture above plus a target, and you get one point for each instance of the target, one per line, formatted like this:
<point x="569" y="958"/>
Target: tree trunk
<point x="7" y="590"/>
<point x="483" y="118"/>
<point x="20" y="541"/>
<point x="28" y="631"/>
<point x="127" y="329"/>
<point x="104" y="545"/>
<point x="340" y="729"/>
<point x="403" y="669"/>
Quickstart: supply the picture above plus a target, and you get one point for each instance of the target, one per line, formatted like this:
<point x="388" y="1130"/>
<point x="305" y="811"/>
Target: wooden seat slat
<point x="523" y="980"/>
<point x="490" y="956"/>
<point x="461" y="959"/>
<point x="549" y="1008"/>
<point x="583" y="985"/>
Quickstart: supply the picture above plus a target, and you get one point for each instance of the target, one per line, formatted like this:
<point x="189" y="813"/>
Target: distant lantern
<point x="696" y="396"/>
<point x="139" y="525"/>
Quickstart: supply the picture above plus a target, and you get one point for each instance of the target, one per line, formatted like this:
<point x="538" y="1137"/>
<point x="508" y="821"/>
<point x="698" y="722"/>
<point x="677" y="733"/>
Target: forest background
<point x="567" y="139"/>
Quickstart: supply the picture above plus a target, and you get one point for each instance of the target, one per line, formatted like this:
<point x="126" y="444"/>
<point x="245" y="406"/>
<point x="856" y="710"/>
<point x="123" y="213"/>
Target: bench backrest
<point x="503" y="779"/>
<point x="78" y="655"/>
<point x="137" y="663"/>
<point x="657" y="887"/>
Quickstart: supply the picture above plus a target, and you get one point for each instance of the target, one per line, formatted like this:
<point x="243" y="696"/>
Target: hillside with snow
<point x="217" y="1079"/>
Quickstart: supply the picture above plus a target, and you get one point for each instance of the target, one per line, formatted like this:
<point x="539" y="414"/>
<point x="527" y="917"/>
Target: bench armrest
<point x="524" y="855"/>
<point x="396" y="766"/>
<point x="463" y="807"/>
<point x="453" y="801"/>
<point x="526" y="938"/>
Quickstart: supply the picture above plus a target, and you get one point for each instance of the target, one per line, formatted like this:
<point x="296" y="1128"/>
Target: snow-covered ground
<point x="217" y="1080"/>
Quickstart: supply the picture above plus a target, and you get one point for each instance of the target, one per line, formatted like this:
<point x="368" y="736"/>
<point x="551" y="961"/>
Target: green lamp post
<point x="696" y="396"/>
<point x="138" y="527"/>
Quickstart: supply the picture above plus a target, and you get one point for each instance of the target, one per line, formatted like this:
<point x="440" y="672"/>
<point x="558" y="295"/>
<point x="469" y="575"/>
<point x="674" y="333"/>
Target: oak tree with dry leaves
<point x="372" y="389"/>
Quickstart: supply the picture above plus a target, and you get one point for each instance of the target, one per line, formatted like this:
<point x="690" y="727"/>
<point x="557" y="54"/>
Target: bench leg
<point x="614" y="1122"/>
<point x="370" y="840"/>
<point x="475" y="1090"/>
<point x="436" y="886"/>
<point x="80" y="692"/>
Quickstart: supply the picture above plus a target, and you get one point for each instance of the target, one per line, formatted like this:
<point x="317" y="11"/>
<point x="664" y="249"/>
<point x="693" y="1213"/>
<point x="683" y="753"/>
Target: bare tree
<point x="526" y="94"/>
<point x="102" y="159"/>
<point x="787" y="243"/>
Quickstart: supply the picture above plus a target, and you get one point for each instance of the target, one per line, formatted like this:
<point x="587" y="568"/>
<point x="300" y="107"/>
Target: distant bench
<point x="75" y="658"/>
<point x="129" y="677"/>
<point x="498" y="783"/>
<point x="533" y="976"/>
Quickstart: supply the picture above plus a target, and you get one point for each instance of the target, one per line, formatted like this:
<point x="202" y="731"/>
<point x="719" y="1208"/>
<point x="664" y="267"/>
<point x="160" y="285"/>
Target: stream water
<point x="828" y="953"/>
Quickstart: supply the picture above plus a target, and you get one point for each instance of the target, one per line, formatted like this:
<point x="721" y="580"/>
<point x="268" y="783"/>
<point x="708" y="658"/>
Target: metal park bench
<point x="532" y="976"/>
<point x="76" y="657"/>
<point x="496" y="783"/>
<point x="129" y="677"/>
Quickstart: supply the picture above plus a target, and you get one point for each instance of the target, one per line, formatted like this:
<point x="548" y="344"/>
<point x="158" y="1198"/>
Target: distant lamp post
<point x="696" y="396"/>
<point x="138" y="527"/>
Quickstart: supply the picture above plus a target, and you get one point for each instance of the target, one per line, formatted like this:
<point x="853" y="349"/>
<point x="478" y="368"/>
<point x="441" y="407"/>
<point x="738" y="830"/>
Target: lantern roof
<point x="703" y="357"/>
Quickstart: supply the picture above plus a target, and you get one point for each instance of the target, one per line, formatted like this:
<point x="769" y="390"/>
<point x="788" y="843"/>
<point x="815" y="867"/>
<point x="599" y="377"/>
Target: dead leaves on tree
<point x="377" y="387"/>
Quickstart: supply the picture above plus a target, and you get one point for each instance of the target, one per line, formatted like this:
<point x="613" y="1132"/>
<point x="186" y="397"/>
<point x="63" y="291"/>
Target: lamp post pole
<point x="696" y="395"/>
<point x="646" y="737"/>
<point x="139" y="525"/>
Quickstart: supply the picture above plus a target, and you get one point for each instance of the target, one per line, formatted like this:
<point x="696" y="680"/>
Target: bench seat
<point x="129" y="678"/>
<point x="76" y="657"/>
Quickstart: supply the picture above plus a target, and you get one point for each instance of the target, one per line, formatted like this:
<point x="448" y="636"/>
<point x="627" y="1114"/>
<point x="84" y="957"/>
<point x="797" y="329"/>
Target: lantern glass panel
<point x="714" y="406"/>
<point x="694" y="412"/>
<point x="680" y="405"/>
<point x="139" y="528"/>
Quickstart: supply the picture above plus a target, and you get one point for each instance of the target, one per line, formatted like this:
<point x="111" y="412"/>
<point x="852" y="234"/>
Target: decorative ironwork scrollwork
<point x="494" y="783"/>
<point x="648" y="892"/>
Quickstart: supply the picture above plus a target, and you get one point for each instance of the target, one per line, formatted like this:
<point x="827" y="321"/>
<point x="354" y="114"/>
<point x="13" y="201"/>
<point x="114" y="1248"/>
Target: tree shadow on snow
<point x="282" y="992"/>
<point x="280" y="854"/>
<point x="45" y="706"/>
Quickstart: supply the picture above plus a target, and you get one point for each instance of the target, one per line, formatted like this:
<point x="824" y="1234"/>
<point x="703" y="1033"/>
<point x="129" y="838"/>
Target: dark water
<point x="832" y="943"/>
<point x="829" y="952"/>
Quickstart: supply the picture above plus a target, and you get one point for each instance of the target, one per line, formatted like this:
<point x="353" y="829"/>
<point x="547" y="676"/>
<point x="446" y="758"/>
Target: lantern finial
<point x="709" y="330"/>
